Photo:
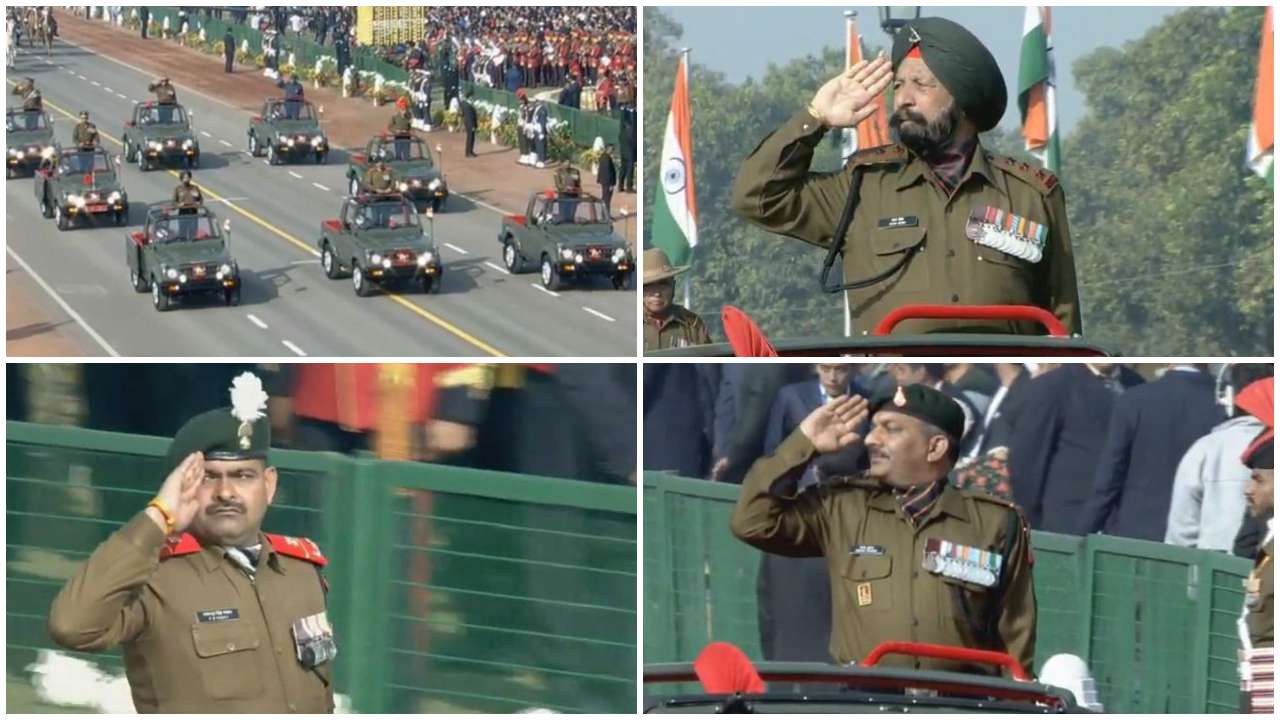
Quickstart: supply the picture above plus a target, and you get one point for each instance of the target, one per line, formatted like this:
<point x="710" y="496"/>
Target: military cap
<point x="923" y="403"/>
<point x="961" y="63"/>
<point x="1260" y="455"/>
<point x="239" y="432"/>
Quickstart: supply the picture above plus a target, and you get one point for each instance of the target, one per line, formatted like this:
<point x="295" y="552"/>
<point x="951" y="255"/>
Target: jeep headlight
<point x="566" y="254"/>
<point x="188" y="144"/>
<point x="15" y="152"/>
<point x="47" y="153"/>
<point x="416" y="182"/>
<point x="435" y="184"/>
<point x="577" y="258"/>
<point x="225" y="268"/>
<point x="288" y="141"/>
<point x="182" y="278"/>
<point x="317" y="140"/>
<point x="77" y="200"/>
<point x="375" y="258"/>
<point x="425" y="259"/>
<point x="114" y="197"/>
<point x="403" y="186"/>
<point x="619" y="255"/>
<point x="155" y="144"/>
<point x="171" y="273"/>
<point x="386" y="263"/>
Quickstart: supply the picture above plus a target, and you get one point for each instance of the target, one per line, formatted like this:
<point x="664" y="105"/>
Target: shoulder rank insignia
<point x="184" y="544"/>
<point x="961" y="562"/>
<point x="1008" y="233"/>
<point x="1039" y="178"/>
<point x="879" y="155"/>
<point x="300" y="548"/>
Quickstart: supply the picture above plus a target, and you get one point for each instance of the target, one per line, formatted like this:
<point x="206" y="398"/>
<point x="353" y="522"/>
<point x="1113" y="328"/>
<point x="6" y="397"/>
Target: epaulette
<point x="890" y="154"/>
<point x="1036" y="177"/>
<point x="300" y="548"/>
<point x="184" y="544"/>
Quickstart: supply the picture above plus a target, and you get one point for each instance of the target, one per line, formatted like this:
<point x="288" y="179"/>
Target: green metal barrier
<point x="584" y="127"/>
<point x="1156" y="623"/>
<point x="452" y="590"/>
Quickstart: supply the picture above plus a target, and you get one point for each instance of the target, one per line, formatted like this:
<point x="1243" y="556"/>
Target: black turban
<point x="961" y="63"/>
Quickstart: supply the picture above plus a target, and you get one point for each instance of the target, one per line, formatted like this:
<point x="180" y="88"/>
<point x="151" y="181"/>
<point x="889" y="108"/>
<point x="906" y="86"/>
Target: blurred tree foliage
<point x="1173" y="234"/>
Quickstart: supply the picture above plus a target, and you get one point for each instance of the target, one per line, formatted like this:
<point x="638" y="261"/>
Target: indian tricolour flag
<point x="1037" y="89"/>
<point x="873" y="131"/>
<point x="675" y="215"/>
<point x="1260" y="153"/>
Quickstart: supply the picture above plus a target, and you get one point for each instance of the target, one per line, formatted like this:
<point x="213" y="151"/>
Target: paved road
<point x="288" y="306"/>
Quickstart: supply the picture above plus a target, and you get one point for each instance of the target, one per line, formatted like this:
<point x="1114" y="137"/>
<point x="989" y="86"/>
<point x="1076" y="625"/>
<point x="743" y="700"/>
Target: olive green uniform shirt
<point x="681" y="328"/>
<point x="175" y="660"/>
<point x="901" y="207"/>
<point x="165" y="93"/>
<point x="187" y="195"/>
<point x="85" y="134"/>
<point x="379" y="179"/>
<point x="880" y="590"/>
<point x="401" y="124"/>
<point x="1259" y="606"/>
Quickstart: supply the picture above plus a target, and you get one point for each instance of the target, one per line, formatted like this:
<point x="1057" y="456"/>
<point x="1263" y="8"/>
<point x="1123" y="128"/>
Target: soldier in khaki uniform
<point x="85" y="134"/>
<point x="666" y="324"/>
<point x="31" y="99"/>
<point x="380" y="178"/>
<point x="401" y="129"/>
<point x="1257" y="618"/>
<point x="220" y="618"/>
<point x="910" y="557"/>
<point x="187" y="194"/>
<point x="939" y="219"/>
<point x="166" y="94"/>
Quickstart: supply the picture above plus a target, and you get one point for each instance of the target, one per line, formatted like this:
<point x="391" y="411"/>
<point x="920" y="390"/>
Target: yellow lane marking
<point x="394" y="297"/>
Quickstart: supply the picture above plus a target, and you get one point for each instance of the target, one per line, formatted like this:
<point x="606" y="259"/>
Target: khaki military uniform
<point x="681" y="328"/>
<point x="187" y="195"/>
<point x="165" y="93"/>
<point x="85" y="134"/>
<point x="401" y="124"/>
<point x="881" y="589"/>
<point x="379" y="179"/>
<point x="1260" y="591"/>
<point x="903" y="210"/>
<point x="199" y="635"/>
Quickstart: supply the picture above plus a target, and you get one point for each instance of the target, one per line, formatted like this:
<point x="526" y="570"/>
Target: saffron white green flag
<point x="675" y="212"/>
<point x="1260" y="153"/>
<point x="1037" y="89"/>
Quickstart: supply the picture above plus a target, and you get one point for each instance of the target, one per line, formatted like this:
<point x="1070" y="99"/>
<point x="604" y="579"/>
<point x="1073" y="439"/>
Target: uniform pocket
<point x="897" y="250"/>
<point x="227" y="659"/>
<point x="868" y="581"/>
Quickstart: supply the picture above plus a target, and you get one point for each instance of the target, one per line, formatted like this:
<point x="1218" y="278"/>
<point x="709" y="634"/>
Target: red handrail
<point x="947" y="652"/>
<point x="971" y="312"/>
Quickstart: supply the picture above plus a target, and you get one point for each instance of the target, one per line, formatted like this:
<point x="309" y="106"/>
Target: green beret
<point x="217" y="434"/>
<point x="924" y="403"/>
<point x="961" y="63"/>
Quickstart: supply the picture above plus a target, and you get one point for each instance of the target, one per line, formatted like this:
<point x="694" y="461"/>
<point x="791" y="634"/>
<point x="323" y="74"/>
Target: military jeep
<point x="569" y="237"/>
<point x="160" y="133"/>
<point x="418" y="175"/>
<point x="71" y="184"/>
<point x="182" y="251"/>
<point x="379" y="240"/>
<point x="287" y="130"/>
<point x="28" y="138"/>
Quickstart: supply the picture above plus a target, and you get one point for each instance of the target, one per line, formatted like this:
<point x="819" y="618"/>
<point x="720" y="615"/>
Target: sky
<point x="741" y="41"/>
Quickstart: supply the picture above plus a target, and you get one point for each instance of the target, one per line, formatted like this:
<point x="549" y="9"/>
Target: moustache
<point x="215" y="509"/>
<point x="902" y="116"/>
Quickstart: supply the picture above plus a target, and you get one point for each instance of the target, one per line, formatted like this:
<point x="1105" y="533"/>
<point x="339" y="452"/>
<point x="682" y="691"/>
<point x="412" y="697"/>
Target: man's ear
<point x="269" y="476"/>
<point x="939" y="446"/>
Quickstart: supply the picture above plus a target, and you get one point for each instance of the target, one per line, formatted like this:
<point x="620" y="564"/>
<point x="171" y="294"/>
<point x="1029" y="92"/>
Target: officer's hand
<point x="846" y="99"/>
<point x="834" y="426"/>
<point x="178" y="493"/>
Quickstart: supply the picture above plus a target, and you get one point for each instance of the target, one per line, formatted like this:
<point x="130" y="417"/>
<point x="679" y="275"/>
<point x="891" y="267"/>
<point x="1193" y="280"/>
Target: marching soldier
<point x="187" y="194"/>
<point x="166" y="94"/>
<point x="214" y="615"/>
<point x="85" y="134"/>
<point x="401" y="128"/>
<point x="31" y="99"/>
<point x="938" y="218"/>
<point x="910" y="557"/>
<point x="380" y="178"/>
<point x="666" y="324"/>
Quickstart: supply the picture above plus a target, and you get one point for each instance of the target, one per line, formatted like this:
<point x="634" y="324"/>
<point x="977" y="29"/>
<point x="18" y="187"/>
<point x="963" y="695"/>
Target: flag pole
<point x="684" y="68"/>
<point x="850" y="24"/>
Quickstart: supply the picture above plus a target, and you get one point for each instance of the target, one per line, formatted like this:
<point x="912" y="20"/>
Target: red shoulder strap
<point x="184" y="544"/>
<point x="300" y="548"/>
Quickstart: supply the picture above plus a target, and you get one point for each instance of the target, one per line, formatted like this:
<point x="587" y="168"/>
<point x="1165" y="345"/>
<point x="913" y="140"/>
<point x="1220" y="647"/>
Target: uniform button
<point x="231" y="646"/>
<point x="951" y="253"/>
<point x="915" y="573"/>
<point x="292" y="708"/>
<point x="955" y="298"/>
<point x="915" y="622"/>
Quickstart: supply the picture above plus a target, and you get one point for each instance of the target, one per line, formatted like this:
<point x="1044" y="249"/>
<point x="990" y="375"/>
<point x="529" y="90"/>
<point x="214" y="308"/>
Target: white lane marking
<point x="598" y="314"/>
<point x="455" y="248"/>
<point x="296" y="175"/>
<point x="499" y="268"/>
<point x="205" y="133"/>
<point x="539" y="287"/>
<point x="297" y="350"/>
<point x="104" y="87"/>
<point x="70" y="71"/>
<point x="224" y="142"/>
<point x="95" y="83"/>
<point x="254" y="319"/>
<point x="246" y="152"/>
<point x="81" y="76"/>
<point x="151" y="74"/>
<point x="318" y="185"/>
<point x="63" y="304"/>
<point x="312" y="261"/>
<point x="122" y="96"/>
<point x="266" y="162"/>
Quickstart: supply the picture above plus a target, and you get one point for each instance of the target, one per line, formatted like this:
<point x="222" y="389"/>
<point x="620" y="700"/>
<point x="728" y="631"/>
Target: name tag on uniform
<point x="313" y="640"/>
<point x="902" y="221"/>
<point x="1010" y="234"/>
<point x="961" y="562"/>
<point x="871" y="550"/>
<point x="214" y="616"/>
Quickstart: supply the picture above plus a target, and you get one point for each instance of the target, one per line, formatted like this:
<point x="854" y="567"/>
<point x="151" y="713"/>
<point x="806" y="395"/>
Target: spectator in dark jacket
<point x="743" y="404"/>
<point x="513" y="79"/>
<point x="1150" y="429"/>
<point x="1061" y="428"/>
<point x="679" y="403"/>
<point x="607" y="176"/>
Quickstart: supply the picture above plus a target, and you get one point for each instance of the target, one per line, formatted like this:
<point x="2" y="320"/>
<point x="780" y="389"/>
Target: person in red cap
<point x="401" y="128"/>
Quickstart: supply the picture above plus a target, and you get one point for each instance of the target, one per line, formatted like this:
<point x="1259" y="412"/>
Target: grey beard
<point x="936" y="135"/>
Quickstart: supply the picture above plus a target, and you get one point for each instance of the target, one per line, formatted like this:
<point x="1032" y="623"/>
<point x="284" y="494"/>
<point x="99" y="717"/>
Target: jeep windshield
<point x="179" y="228"/>
<point x="286" y="110"/>
<point x="162" y="115"/>
<point x="25" y="121"/>
<point x="386" y="150"/>
<point x="385" y="216"/>
<point x="83" y="162"/>
<point x="570" y="211"/>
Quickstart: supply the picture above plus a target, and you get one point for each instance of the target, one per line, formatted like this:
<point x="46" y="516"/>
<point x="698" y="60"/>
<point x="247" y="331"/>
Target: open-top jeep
<point x="379" y="240"/>
<point x="72" y="183"/>
<point x="288" y="130"/>
<point x="28" y="137"/>
<point x="160" y="133"/>
<point x="418" y="175"/>
<point x="182" y="251"/>
<point x="568" y="236"/>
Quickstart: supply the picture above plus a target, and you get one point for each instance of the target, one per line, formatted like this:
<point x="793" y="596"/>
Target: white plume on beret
<point x="248" y="400"/>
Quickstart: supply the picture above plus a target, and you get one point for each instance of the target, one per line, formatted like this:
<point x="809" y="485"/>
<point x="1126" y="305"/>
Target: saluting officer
<point x="941" y="220"/>
<point x="187" y="194"/>
<point x="293" y="95"/>
<point x="85" y="134"/>
<point x="911" y="558"/>
<point x="380" y="178"/>
<point x="31" y="99"/>
<point x="214" y="616"/>
<point x="401" y="128"/>
<point x="166" y="94"/>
